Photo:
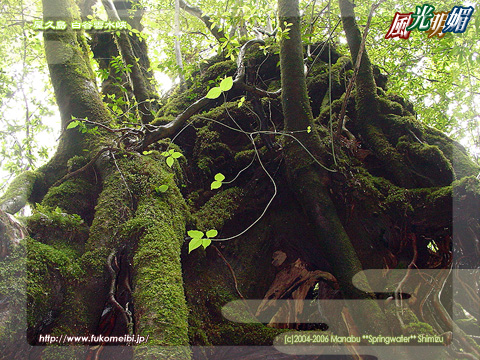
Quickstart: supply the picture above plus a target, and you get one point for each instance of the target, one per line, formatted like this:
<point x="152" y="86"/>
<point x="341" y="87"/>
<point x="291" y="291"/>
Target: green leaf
<point x="165" y="153"/>
<point x="170" y="161"/>
<point x="242" y="100"/>
<point x="215" y="185"/>
<point x="176" y="155"/>
<point x="206" y="242"/>
<point x="211" y="233"/>
<point x="226" y="84"/>
<point x="73" y="124"/>
<point x="195" y="234"/>
<point x="194" y="243"/>
<point x="219" y="177"/>
<point x="162" y="188"/>
<point x="309" y="129"/>
<point x="171" y="151"/>
<point x="147" y="152"/>
<point x="214" y="93"/>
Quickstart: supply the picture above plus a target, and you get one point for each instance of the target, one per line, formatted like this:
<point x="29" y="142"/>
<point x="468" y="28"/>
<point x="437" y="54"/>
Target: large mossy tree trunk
<point x="106" y="252"/>
<point x="101" y="239"/>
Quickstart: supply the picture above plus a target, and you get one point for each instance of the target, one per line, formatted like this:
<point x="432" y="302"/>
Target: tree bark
<point x="309" y="183"/>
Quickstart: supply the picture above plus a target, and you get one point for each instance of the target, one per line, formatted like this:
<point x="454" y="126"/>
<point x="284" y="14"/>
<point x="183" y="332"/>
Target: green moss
<point x="13" y="294"/>
<point x="243" y="158"/>
<point x="207" y="325"/>
<point x="19" y="191"/>
<point x="220" y="208"/>
<point x="406" y="105"/>
<point x="388" y="106"/>
<point x="428" y="161"/>
<point x="419" y="328"/>
<point x="75" y="196"/>
<point x="453" y="151"/>
<point x="48" y="270"/>
<point x="55" y="227"/>
<point x="246" y="334"/>
<point x="217" y="70"/>
<point x="114" y="207"/>
<point x="210" y="152"/>
<point x="59" y="352"/>
<point x="156" y="229"/>
<point x="180" y="99"/>
<point x="76" y="162"/>
<point x="469" y="185"/>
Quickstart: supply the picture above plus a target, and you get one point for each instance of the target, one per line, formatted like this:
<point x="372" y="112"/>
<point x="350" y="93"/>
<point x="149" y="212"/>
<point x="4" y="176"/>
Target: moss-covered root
<point x="12" y="289"/>
<point x="159" y="225"/>
<point x="84" y="297"/>
<point x="17" y="194"/>
<point x="334" y="242"/>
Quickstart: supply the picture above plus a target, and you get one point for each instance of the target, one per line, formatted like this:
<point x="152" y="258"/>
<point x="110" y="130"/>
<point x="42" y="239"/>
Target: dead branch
<point x="235" y="282"/>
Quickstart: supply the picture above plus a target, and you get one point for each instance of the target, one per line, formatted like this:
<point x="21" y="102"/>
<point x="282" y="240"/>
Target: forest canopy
<point x="313" y="169"/>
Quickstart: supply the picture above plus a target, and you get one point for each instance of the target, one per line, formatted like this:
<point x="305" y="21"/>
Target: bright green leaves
<point x="171" y="155"/>
<point x="218" y="181"/>
<point x="161" y="189"/>
<point x="214" y="93"/>
<point x="198" y="239"/>
<point x="194" y="243"/>
<point x="229" y="46"/>
<point x="82" y="127"/>
<point x="285" y="32"/>
<point x="241" y="101"/>
<point x="73" y="124"/>
<point x="225" y="85"/>
<point x="211" y="233"/>
<point x="309" y="129"/>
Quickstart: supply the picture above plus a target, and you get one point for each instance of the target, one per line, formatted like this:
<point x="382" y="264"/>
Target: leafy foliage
<point x="199" y="240"/>
<point x="439" y="76"/>
<point x="218" y="181"/>
<point x="171" y="155"/>
<point x="225" y="85"/>
<point x="26" y="106"/>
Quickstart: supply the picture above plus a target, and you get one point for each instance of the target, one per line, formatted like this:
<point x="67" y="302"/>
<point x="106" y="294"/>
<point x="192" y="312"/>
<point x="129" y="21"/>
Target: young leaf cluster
<point x="171" y="155"/>
<point x="218" y="181"/>
<point x="199" y="240"/>
<point x="225" y="85"/>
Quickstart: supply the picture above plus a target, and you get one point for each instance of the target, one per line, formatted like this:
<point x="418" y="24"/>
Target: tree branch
<point x="18" y="192"/>
<point x="197" y="12"/>
<point x="137" y="76"/>
<point x="173" y="126"/>
<point x="357" y="68"/>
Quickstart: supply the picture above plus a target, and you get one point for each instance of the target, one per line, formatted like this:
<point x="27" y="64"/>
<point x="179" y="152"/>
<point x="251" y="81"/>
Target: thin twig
<point x="83" y="168"/>
<point x="235" y="282"/>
